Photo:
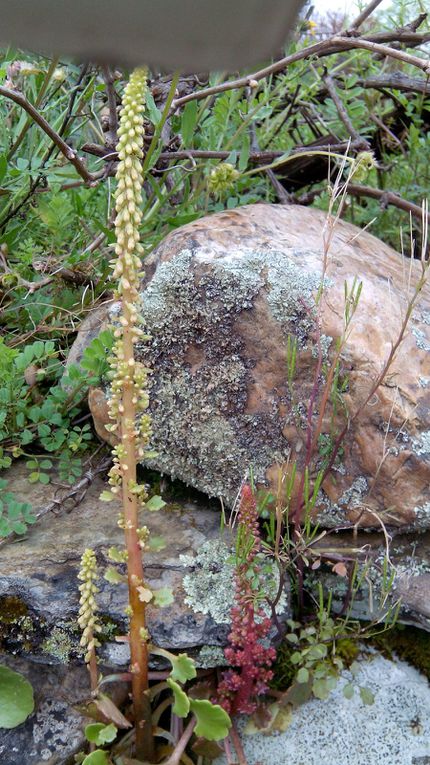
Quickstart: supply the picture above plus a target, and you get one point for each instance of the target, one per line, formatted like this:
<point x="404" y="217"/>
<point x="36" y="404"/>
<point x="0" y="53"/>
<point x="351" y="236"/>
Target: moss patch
<point x="408" y="643"/>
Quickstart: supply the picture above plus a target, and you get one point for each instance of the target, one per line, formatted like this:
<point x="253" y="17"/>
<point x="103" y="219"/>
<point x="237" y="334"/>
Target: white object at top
<point x="191" y="35"/>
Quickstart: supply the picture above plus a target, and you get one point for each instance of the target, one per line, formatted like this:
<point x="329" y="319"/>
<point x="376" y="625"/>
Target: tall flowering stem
<point x="87" y="618"/>
<point x="129" y="397"/>
<point x="248" y="654"/>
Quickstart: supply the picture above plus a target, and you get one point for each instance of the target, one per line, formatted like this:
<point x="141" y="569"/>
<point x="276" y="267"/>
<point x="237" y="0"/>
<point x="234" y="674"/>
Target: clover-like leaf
<point x="113" y="576"/>
<point x="213" y="722"/>
<point x="367" y="696"/>
<point x="320" y="688"/>
<point x="183" y="668"/>
<point x="100" y="734"/>
<point x="106" y="496"/>
<point x="116" y="555"/>
<point x="156" y="543"/>
<point x="163" y="597"/>
<point x="16" y="698"/>
<point x="348" y="690"/>
<point x="154" y="504"/>
<point x="302" y="675"/>
<point x="181" y="707"/>
<point x="98" y="757"/>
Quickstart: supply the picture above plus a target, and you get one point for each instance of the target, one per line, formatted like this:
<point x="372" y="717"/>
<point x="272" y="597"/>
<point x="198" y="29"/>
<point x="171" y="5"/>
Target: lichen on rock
<point x="222" y="297"/>
<point x="209" y="587"/>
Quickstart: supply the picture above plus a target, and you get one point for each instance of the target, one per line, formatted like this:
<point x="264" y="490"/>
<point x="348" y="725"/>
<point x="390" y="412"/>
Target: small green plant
<point x="317" y="656"/>
<point x="15" y="516"/>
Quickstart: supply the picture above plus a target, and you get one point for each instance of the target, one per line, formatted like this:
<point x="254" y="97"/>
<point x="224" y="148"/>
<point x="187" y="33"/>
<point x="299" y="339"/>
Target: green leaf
<point x="99" y="757"/>
<point x="154" y="504"/>
<point x="26" y="437"/>
<point x="16" y="698"/>
<point x="181" y="707"/>
<point x="302" y="675"/>
<point x="244" y="154"/>
<point x="154" y="113"/>
<point x="100" y="734"/>
<point x="163" y="597"/>
<point x="183" y="668"/>
<point x="320" y="688"/>
<point x="354" y="668"/>
<point x="3" y="166"/>
<point x="213" y="722"/>
<point x="113" y="576"/>
<point x="18" y="527"/>
<point x="296" y="657"/>
<point x="117" y="555"/>
<point x="188" y="122"/>
<point x="155" y="543"/>
<point x="348" y="690"/>
<point x="367" y="696"/>
<point x="106" y="496"/>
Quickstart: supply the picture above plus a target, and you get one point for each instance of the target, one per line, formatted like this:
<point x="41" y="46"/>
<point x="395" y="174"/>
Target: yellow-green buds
<point x="222" y="178"/>
<point x="127" y="373"/>
<point x="364" y="162"/>
<point x="128" y="194"/>
<point x="87" y="618"/>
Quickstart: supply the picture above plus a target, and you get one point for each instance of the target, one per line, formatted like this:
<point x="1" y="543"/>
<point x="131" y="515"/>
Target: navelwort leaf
<point x="181" y="707"/>
<point x="213" y="722"/>
<point x="100" y="734"/>
<point x="16" y="698"/>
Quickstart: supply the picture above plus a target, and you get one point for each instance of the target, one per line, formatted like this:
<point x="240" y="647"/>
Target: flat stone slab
<point x="39" y="597"/>
<point x="409" y="567"/>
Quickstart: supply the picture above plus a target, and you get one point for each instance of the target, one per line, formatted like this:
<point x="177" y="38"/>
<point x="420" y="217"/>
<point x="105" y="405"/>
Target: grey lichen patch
<point x="196" y="309"/>
<point x="421" y="445"/>
<point x="333" y="513"/>
<point x="420" y="339"/>
<point x="57" y="729"/>
<point x="291" y="295"/>
<point x="203" y="433"/>
<point x="211" y="656"/>
<point x="210" y="587"/>
<point x="425" y="317"/>
<point x="422" y="517"/>
<point x="61" y="644"/>
<point x="324" y="344"/>
<point x="354" y="495"/>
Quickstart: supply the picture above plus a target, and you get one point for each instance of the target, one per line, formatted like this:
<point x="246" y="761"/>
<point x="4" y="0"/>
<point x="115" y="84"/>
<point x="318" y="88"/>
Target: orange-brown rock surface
<point x="222" y="296"/>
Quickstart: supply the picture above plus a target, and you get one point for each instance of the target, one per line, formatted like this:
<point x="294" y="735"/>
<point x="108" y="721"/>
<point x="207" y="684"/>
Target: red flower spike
<point x="250" y="660"/>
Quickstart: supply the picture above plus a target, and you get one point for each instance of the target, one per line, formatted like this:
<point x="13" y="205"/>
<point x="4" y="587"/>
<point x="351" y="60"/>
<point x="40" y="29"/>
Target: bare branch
<point x="387" y="198"/>
<point x="259" y="157"/>
<point x="343" y="114"/>
<point x="397" y="81"/>
<point x="67" y="152"/>
<point x="323" y="48"/>
<point x="365" y="13"/>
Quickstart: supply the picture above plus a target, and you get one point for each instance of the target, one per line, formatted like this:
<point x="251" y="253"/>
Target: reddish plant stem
<point x="138" y="646"/>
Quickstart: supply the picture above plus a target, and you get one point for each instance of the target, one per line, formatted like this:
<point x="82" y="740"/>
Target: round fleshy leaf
<point x="16" y="698"/>
<point x="213" y="722"/>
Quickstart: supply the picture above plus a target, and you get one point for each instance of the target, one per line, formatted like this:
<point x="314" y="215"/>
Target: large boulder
<point x="223" y="298"/>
